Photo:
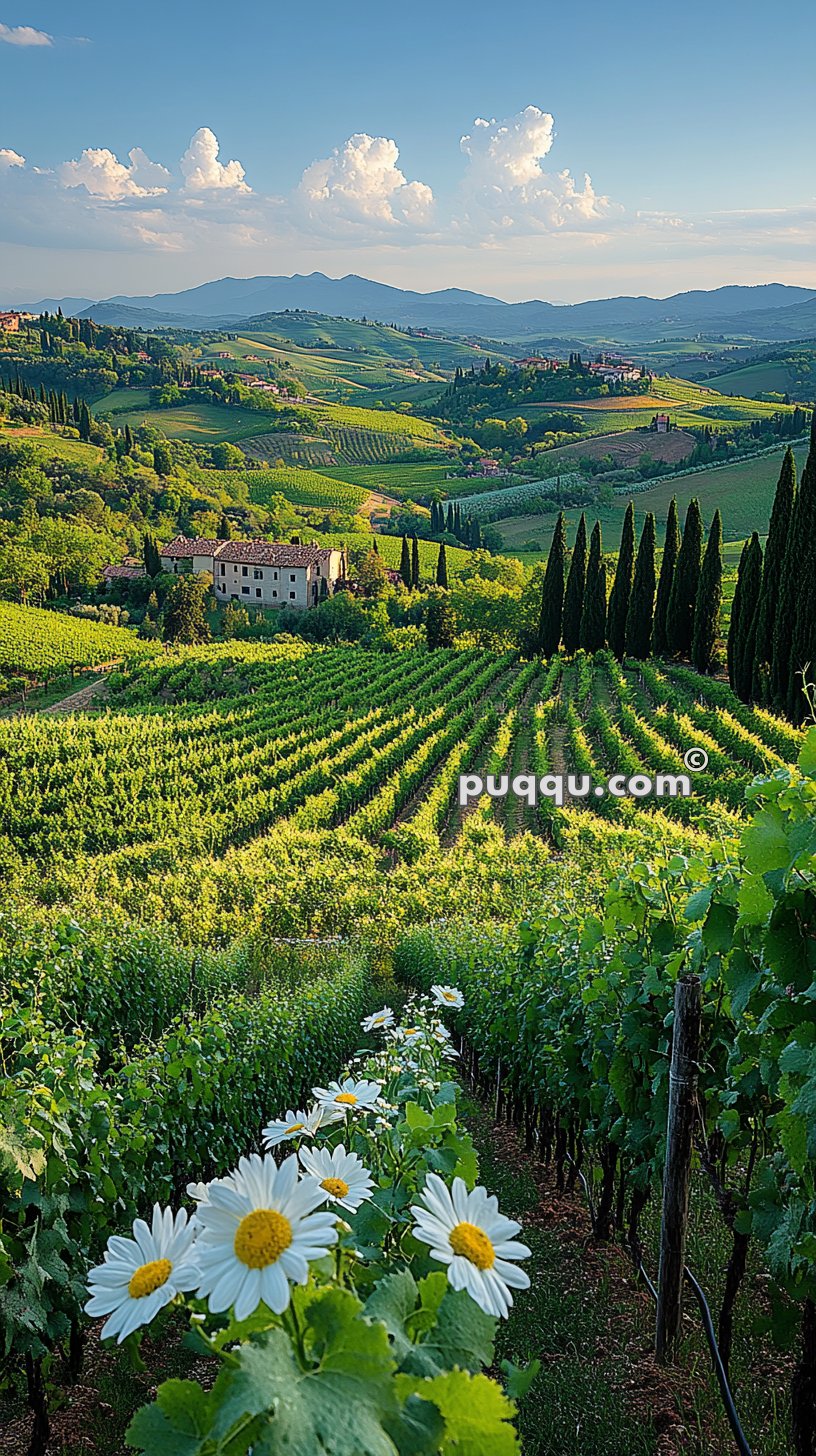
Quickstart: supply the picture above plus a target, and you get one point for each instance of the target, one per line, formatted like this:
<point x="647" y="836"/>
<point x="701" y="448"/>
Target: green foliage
<point x="668" y="568"/>
<point x="680" y="611"/>
<point x="640" y="616"/>
<point x="708" y="601"/>
<point x="42" y="643"/>
<point x="593" y="614"/>
<point x="618" y="608"/>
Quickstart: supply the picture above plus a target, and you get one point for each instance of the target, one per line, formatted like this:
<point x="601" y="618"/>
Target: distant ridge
<point x="768" y="311"/>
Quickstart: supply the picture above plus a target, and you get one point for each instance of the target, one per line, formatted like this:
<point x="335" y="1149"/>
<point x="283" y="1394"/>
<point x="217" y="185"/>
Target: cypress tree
<point x="442" y="567"/>
<point x="576" y="586"/>
<point x="593" y="615"/>
<point x="548" y="635"/>
<point x="803" y="553"/>
<point x="414" y="564"/>
<point x="766" y="608"/>
<point x="405" y="563"/>
<point x="680" y="615"/>
<point x="618" y="609"/>
<point x="708" y="601"/>
<point x="668" y="567"/>
<point x="741" y="628"/>
<point x="640" y="616"/>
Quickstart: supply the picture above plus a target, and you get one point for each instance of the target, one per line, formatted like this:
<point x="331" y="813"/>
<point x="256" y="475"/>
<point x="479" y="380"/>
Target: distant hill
<point x="767" y="311"/>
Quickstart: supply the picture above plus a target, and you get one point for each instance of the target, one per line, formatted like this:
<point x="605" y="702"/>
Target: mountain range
<point x="770" y="311"/>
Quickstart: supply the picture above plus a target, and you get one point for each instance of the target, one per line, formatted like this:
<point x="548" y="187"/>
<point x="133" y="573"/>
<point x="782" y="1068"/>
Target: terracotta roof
<point x="272" y="553"/>
<point x="123" y="573"/>
<point x="183" y="546"/>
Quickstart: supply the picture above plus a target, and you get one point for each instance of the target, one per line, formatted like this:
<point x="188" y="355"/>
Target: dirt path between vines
<point x="86" y="697"/>
<point x="600" y="1389"/>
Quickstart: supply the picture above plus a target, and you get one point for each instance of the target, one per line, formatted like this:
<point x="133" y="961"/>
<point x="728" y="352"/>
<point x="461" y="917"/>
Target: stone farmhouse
<point x="260" y="573"/>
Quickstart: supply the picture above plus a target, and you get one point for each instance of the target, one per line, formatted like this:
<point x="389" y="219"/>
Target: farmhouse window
<point x="257" y="575"/>
<point x="292" y="595"/>
<point x="223" y="569"/>
<point x="245" y="591"/>
<point x="257" y="591"/>
<point x="245" y="571"/>
<point x="292" y="577"/>
<point x="274" y="593"/>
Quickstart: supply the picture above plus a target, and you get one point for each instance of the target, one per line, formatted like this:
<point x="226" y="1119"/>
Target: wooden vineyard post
<point x="677" y="1169"/>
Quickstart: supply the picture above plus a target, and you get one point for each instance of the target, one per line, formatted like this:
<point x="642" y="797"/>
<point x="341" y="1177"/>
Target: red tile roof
<point x="184" y="546"/>
<point x="123" y="573"/>
<point x="272" y="553"/>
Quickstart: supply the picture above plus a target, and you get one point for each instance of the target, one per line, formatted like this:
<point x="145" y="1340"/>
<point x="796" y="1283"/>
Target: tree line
<point x="772" y="634"/>
<point x="673" y="613"/>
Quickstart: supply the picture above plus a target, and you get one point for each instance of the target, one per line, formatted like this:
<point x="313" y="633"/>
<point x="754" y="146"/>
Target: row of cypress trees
<point x="772" y="634"/>
<point x="451" y="521"/>
<point x="677" y="614"/>
<point x="409" y="564"/>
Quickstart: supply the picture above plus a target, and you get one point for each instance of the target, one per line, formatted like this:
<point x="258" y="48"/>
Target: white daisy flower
<point x="293" y="1125"/>
<point x="379" y="1021"/>
<point x="467" y="1232"/>
<point x="448" y="996"/>
<point x="348" y="1095"/>
<point x="259" y="1234"/>
<point x="141" y="1275"/>
<point x="341" y="1175"/>
<point x="411" y="1035"/>
<point x="440" y="1033"/>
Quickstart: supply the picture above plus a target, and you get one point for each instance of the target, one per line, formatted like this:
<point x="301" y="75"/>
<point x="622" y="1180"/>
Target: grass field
<point x="50" y="446"/>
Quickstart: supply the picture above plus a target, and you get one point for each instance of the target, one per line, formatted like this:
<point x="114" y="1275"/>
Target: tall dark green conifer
<point x="618" y="608"/>
<point x="680" y="615"/>
<point x="668" y="567"/>
<point x="640" y="616"/>
<point x="548" y="636"/>
<point x="708" y="601"/>
<point x="741" y="628"/>
<point x="576" y="586"/>
<point x="442" y="567"/>
<point x="766" y="608"/>
<point x="593" y="615"/>
<point x="405" y="563"/>
<point x="414" y="563"/>
<point x="802" y="547"/>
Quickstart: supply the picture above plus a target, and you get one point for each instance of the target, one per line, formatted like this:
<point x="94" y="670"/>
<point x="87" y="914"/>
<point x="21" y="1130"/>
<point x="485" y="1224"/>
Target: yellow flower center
<point x="335" y="1187"/>
<point x="295" y="1127"/>
<point x="473" y="1244"/>
<point x="348" y="1098"/>
<point x="261" y="1237"/>
<point x="410" y="1031"/>
<point x="149" y="1277"/>
<point x="449" y="995"/>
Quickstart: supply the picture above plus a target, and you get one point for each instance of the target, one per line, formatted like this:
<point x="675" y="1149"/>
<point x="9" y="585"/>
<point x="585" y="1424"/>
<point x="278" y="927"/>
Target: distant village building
<point x="10" y="322"/>
<point x="536" y="362"/>
<point x="662" y="423"/>
<point x="488" y="466"/>
<point x="260" y="573"/>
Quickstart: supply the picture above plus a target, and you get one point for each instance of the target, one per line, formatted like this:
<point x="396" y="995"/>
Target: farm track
<point x="86" y="699"/>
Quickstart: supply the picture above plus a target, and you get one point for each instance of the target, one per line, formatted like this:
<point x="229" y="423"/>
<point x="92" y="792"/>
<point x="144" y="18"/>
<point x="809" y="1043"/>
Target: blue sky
<point x="153" y="149"/>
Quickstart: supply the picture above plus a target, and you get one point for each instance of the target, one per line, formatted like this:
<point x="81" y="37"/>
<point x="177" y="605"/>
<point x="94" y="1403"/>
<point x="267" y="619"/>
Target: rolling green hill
<point x="743" y="492"/>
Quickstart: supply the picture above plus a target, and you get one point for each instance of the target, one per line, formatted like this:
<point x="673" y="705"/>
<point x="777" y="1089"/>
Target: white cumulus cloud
<point x="101" y="173"/>
<point x="9" y="159"/>
<point x="202" y="170"/>
<point x="24" y="35"/>
<point x="361" y="183"/>
<point x="507" y="188"/>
